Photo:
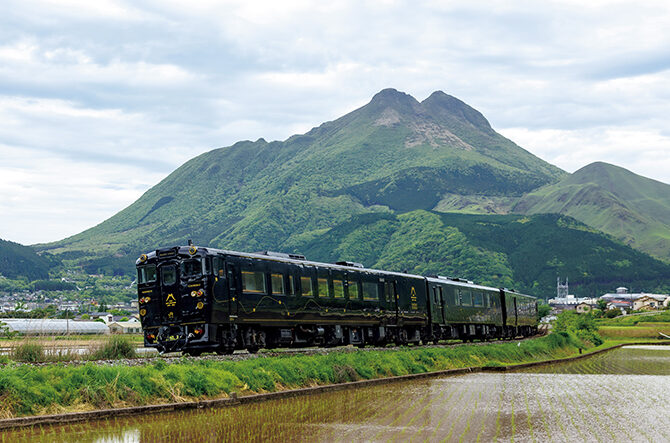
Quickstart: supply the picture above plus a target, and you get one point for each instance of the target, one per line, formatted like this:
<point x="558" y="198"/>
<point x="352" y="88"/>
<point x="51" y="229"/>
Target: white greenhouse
<point x="36" y="326"/>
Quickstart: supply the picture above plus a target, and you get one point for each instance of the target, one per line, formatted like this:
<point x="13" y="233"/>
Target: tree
<point x="602" y="304"/>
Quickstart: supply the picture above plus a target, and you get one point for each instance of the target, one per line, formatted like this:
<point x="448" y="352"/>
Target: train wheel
<point x="225" y="351"/>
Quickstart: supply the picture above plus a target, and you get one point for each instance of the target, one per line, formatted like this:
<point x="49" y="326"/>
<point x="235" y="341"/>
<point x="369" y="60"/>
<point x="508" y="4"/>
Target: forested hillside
<point x="21" y="261"/>
<point x="524" y="252"/>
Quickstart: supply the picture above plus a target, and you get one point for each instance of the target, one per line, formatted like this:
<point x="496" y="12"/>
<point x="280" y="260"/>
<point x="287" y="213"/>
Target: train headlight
<point x="143" y="258"/>
<point x="143" y="312"/>
<point x="194" y="293"/>
<point x="201" y="292"/>
<point x="192" y="250"/>
<point x="151" y="338"/>
<point x="200" y="305"/>
<point x="198" y="331"/>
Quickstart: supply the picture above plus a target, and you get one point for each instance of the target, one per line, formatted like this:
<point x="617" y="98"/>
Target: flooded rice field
<point x="623" y="395"/>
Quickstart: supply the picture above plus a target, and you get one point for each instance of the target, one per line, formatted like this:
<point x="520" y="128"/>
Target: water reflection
<point x="619" y="396"/>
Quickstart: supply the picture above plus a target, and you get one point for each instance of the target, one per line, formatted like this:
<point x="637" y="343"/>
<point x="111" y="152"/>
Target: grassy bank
<point x="30" y="390"/>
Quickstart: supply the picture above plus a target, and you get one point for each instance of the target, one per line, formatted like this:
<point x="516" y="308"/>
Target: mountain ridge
<point x="249" y="185"/>
<point x="630" y="207"/>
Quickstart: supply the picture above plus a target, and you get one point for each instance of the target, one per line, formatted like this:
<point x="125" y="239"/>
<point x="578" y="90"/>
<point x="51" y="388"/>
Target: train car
<point x="202" y="299"/>
<point x="464" y="310"/>
<point x="520" y="313"/>
<point x="196" y="299"/>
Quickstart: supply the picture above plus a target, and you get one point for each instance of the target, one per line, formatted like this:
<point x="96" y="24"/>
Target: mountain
<point x="630" y="207"/>
<point x="393" y="155"/>
<point x="17" y="260"/>
<point x="365" y="187"/>
<point x="523" y="252"/>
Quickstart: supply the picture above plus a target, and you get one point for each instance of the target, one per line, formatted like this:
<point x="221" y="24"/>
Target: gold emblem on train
<point x="170" y="300"/>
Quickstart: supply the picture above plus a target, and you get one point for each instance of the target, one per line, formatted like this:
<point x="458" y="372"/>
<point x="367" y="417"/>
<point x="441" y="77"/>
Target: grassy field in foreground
<point x="30" y="390"/>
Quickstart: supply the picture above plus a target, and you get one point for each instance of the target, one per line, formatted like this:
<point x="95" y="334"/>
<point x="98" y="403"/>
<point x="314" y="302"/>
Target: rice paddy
<point x="620" y="395"/>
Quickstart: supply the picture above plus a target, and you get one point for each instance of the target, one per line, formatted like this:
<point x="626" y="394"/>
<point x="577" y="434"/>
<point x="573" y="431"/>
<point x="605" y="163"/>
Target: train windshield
<point x="146" y="274"/>
<point x="191" y="268"/>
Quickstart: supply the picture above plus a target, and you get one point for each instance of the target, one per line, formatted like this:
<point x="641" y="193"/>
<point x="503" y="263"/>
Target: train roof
<point x="299" y="260"/>
<point x="286" y="258"/>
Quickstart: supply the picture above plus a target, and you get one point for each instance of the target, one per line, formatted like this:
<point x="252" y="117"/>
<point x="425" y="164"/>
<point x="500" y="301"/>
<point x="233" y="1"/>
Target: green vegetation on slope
<point x="526" y="252"/>
<point x="632" y="208"/>
<point x="21" y="261"/>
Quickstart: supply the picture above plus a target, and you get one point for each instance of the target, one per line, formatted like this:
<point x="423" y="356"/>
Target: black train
<point x="196" y="299"/>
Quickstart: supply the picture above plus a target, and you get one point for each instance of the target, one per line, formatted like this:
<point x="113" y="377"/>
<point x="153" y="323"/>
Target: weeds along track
<point x="175" y="357"/>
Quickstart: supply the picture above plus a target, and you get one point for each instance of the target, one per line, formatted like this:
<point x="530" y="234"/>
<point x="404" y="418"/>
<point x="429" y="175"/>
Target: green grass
<point x="29" y="390"/>
<point x="633" y="320"/>
<point x="634" y="331"/>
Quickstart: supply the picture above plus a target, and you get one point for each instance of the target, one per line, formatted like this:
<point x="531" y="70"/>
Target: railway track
<point x="244" y="355"/>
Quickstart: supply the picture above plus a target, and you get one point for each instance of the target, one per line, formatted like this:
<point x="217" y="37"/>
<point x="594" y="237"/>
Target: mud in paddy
<point x="623" y="395"/>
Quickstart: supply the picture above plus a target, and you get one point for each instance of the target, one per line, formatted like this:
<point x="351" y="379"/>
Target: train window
<point x="146" y="274"/>
<point x="306" y="284"/>
<point x="324" y="290"/>
<point x="277" y="284"/>
<point x="291" y="286"/>
<point x="205" y="266"/>
<point x="487" y="300"/>
<point x="389" y="291"/>
<point x="370" y="291"/>
<point x="353" y="290"/>
<point x="338" y="289"/>
<point x="253" y="282"/>
<point x="466" y="297"/>
<point x="217" y="265"/>
<point x="478" y="299"/>
<point x="190" y="268"/>
<point x="452" y="297"/>
<point x="169" y="274"/>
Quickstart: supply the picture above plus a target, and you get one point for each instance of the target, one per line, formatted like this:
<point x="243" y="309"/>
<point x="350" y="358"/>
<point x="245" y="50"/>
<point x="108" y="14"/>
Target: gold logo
<point x="170" y="314"/>
<point x="170" y="301"/>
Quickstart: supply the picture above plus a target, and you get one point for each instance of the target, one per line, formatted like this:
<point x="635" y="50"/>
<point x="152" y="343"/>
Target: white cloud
<point x="646" y="153"/>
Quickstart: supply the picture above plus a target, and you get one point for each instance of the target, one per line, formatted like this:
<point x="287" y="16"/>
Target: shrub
<point x="581" y="325"/>
<point x="611" y="313"/>
<point x="117" y="346"/>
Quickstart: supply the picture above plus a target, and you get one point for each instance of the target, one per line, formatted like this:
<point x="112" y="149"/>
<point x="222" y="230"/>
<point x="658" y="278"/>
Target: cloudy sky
<point x="100" y="100"/>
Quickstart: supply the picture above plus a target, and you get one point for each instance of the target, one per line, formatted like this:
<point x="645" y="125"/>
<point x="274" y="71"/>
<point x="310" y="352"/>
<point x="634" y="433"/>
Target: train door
<point x="232" y="272"/>
<point x="438" y="304"/>
<point x="170" y="297"/>
<point x="516" y="312"/>
<point x="391" y="297"/>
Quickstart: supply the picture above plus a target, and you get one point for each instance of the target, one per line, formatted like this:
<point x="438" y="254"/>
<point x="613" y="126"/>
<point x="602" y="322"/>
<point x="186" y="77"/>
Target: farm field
<point x="593" y="399"/>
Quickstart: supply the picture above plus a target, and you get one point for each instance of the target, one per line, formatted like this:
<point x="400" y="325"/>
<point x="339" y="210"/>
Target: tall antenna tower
<point x="561" y="290"/>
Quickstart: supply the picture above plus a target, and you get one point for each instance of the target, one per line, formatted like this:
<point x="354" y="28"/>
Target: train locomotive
<point x="197" y="299"/>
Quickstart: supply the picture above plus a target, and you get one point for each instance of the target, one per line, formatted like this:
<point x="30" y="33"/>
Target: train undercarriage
<point x="226" y="338"/>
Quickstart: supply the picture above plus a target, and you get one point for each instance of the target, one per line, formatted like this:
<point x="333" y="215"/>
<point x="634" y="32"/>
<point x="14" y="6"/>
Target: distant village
<point x="56" y="313"/>
<point x="621" y="300"/>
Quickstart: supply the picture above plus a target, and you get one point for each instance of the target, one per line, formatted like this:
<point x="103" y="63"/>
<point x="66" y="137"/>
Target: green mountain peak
<point x="630" y="207"/>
